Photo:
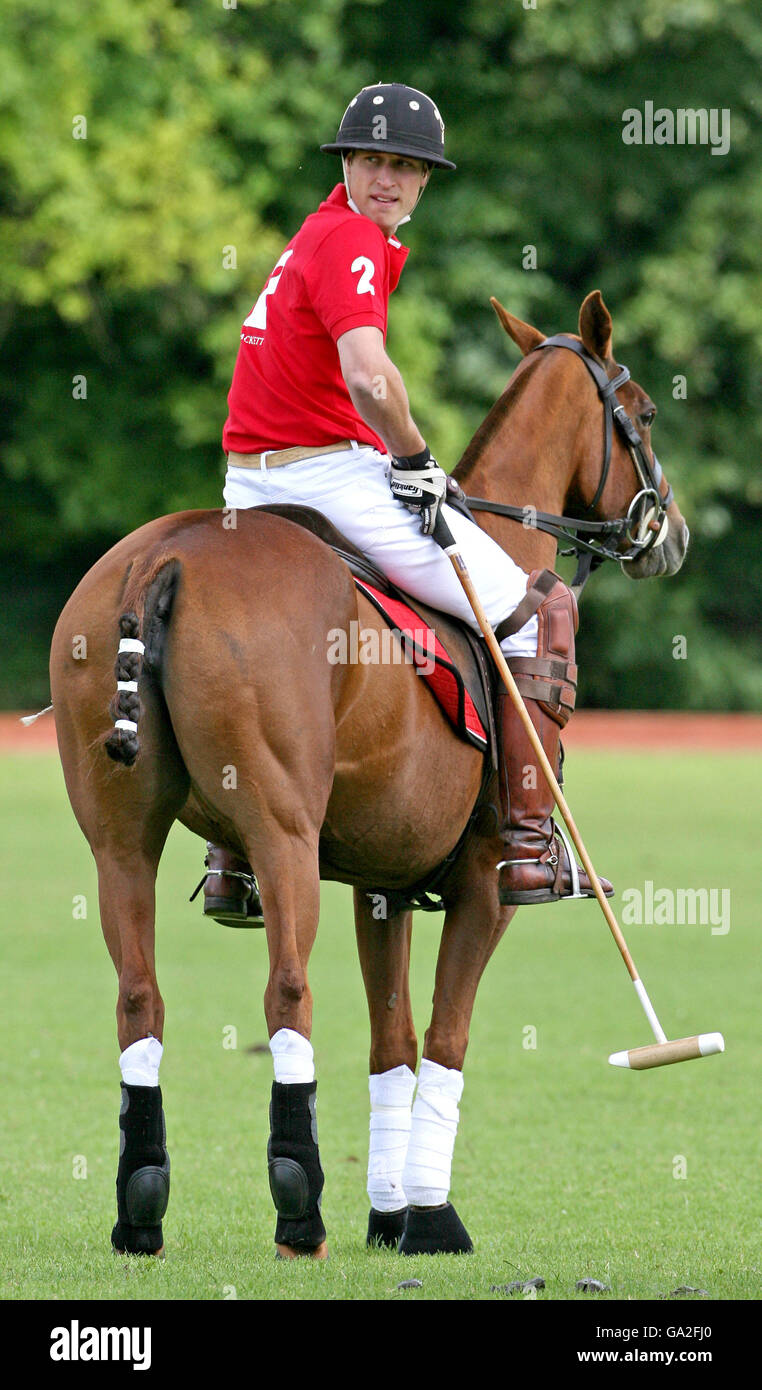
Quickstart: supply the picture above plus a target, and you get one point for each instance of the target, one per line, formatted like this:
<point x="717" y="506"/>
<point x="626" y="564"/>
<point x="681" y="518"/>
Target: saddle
<point x="463" y="680"/>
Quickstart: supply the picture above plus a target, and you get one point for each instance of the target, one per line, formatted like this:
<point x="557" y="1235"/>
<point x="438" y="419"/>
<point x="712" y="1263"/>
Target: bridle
<point x="646" y="523"/>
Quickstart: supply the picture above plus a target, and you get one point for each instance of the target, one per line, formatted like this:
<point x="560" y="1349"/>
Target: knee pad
<point x="550" y="678"/>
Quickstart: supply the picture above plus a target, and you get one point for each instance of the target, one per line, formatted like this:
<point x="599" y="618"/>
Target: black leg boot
<point x="142" y="1180"/>
<point x="296" y="1177"/>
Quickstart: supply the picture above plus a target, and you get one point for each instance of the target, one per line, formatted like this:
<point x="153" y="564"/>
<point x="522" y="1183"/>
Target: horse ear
<point x="595" y="326"/>
<point x="524" y="336"/>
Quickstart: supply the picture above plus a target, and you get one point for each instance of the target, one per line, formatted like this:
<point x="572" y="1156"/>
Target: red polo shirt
<point x="336" y="274"/>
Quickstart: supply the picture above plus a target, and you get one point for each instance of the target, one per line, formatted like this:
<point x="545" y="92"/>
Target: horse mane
<point x="489" y="426"/>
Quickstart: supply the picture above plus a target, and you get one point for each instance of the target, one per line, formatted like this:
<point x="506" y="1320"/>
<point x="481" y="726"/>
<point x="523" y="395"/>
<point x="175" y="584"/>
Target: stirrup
<point x="232" y="912"/>
<point x="573" y="865"/>
<point x="537" y="896"/>
<point x="575" y="871"/>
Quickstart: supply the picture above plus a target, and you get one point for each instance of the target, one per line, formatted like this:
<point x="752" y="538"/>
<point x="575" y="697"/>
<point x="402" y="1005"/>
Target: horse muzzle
<point x="665" y="554"/>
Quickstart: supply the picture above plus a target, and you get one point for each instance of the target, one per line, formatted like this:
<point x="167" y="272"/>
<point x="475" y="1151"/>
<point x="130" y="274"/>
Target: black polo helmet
<point x="394" y="118"/>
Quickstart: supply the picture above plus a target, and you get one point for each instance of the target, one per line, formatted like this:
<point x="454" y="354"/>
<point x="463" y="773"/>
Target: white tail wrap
<point x="128" y="644"/>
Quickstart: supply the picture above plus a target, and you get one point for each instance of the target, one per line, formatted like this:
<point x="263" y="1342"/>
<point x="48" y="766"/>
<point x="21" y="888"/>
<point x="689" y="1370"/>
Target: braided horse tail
<point x="148" y="597"/>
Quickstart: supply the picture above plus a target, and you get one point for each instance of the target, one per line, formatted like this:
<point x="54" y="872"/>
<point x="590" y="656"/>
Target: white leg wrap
<point x="426" y="1176"/>
<point x="293" y="1058"/>
<point x="391" y="1096"/>
<point x="139" y="1063"/>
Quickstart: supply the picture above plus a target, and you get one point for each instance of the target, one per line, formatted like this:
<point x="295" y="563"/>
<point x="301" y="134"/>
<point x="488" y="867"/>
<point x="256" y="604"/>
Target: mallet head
<point x="661" y="1054"/>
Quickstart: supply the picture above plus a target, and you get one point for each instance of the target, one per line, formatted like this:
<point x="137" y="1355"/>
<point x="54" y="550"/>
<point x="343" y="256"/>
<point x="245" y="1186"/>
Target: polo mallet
<point x="662" y="1052"/>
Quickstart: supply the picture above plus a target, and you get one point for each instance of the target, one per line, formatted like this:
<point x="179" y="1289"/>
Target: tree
<point x="156" y="156"/>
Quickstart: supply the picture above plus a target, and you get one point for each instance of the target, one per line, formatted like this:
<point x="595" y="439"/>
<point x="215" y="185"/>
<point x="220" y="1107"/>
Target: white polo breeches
<point x="351" y="488"/>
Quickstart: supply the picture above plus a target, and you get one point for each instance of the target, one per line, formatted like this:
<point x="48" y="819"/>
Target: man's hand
<point x="419" y="482"/>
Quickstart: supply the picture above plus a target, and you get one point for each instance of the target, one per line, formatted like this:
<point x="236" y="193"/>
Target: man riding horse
<point x="319" y="415"/>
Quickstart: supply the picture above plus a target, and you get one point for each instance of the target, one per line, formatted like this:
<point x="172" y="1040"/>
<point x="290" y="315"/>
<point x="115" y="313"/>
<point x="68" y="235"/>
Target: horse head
<point x="572" y="439"/>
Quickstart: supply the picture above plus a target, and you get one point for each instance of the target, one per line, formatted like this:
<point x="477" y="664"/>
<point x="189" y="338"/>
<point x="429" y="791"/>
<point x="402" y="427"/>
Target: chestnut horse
<point x="252" y="739"/>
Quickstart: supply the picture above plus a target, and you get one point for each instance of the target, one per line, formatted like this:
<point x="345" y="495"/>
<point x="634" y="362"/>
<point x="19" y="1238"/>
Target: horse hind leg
<point x="125" y="814"/>
<point x="126" y="894"/>
<point x="289" y="882"/>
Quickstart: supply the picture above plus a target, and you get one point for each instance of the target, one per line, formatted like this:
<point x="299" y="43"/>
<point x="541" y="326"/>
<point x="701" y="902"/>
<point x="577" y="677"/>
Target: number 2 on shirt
<point x="365" y="282"/>
<point x="258" y="316"/>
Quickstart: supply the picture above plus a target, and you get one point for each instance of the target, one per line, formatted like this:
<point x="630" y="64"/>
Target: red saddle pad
<point x="424" y="650"/>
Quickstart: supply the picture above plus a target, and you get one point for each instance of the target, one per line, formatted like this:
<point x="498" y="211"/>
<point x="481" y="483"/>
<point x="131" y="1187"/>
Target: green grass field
<point x="564" y="1167"/>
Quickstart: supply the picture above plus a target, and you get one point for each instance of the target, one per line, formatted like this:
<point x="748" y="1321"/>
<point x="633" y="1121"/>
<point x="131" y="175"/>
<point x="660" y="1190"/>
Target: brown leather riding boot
<point x="231" y="895"/>
<point x="539" y="864"/>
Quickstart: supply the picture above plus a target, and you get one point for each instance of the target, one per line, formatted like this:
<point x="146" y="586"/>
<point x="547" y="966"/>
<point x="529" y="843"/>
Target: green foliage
<point x="129" y="258"/>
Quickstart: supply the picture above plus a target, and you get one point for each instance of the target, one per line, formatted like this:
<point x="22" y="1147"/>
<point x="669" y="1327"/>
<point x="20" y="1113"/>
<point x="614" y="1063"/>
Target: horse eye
<point x="648" y="417"/>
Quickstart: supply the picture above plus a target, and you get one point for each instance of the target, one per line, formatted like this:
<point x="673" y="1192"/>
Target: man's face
<point x="385" y="187"/>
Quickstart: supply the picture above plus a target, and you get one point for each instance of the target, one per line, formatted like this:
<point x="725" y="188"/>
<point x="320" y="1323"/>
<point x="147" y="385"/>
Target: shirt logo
<point x="258" y="316"/>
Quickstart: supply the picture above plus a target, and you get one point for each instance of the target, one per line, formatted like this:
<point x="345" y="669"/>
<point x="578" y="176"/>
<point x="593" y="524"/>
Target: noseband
<point x="645" y="524"/>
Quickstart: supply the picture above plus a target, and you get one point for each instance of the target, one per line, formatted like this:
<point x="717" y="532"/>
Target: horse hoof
<point x="293" y="1252"/>
<point x="434" y="1231"/>
<point x="385" y="1228"/>
<point x="159" y="1254"/>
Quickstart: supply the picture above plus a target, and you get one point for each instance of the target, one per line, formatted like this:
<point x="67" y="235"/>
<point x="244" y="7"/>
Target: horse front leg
<point x="383" y="943"/>
<point x="473" y="926"/>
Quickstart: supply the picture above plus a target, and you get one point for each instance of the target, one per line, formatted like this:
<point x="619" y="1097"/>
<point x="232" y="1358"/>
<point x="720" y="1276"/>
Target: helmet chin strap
<point x="350" y="199"/>
<point x="354" y="206"/>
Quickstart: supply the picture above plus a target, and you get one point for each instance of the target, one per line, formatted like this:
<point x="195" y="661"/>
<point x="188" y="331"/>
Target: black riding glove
<point x="419" y="482"/>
